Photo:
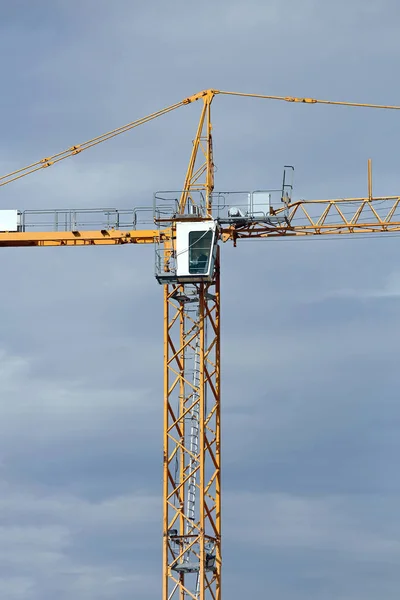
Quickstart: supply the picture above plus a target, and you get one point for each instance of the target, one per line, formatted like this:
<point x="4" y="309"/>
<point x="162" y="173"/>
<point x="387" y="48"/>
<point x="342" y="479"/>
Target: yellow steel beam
<point x="305" y="217"/>
<point x="305" y="100"/>
<point x="200" y="171"/>
<point x="83" y="238"/>
<point x="326" y="217"/>
<point x="192" y="485"/>
<point x="205" y="95"/>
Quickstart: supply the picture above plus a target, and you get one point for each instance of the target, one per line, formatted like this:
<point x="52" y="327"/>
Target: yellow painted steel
<point x="192" y="453"/>
<point x="78" y="148"/>
<point x="306" y="217"/>
<point x="203" y="141"/>
<point x="185" y="334"/>
<point x="83" y="238"/>
<point x="328" y="217"/>
<point x="207" y="97"/>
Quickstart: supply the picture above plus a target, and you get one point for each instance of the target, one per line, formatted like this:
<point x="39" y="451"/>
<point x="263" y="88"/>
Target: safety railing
<point x="91" y="219"/>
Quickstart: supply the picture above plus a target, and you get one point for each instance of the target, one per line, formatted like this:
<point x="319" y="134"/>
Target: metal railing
<point x="252" y="205"/>
<point x="90" y="219"/>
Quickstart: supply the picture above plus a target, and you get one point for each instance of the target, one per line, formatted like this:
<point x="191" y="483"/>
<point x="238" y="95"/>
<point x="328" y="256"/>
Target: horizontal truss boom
<point x="303" y="218"/>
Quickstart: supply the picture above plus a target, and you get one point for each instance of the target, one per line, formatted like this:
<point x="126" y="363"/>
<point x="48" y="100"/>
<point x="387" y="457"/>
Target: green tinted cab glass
<point x="199" y="251"/>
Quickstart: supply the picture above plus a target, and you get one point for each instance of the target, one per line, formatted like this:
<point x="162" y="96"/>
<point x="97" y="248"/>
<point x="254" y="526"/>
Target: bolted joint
<point x="46" y="162"/>
<point x="75" y="149"/>
<point x="305" y="100"/>
<point x="206" y="94"/>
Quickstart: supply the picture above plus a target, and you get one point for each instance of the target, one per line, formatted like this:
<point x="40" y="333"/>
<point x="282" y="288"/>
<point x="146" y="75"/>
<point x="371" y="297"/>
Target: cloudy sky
<point x="310" y="328"/>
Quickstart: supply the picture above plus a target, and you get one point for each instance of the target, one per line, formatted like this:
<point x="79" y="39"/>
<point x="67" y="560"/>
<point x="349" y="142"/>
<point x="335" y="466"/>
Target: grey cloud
<point x="58" y="546"/>
<point x="332" y="548"/>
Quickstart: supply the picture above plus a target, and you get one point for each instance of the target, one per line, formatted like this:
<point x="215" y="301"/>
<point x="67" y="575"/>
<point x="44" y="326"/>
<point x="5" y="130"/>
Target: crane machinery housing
<point x="187" y="229"/>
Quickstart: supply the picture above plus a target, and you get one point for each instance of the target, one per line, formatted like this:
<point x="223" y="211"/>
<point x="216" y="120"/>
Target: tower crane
<point x="187" y="230"/>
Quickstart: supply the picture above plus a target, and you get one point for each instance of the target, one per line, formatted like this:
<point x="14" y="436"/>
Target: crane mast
<point x="187" y="228"/>
<point x="192" y="486"/>
<point x="192" y="478"/>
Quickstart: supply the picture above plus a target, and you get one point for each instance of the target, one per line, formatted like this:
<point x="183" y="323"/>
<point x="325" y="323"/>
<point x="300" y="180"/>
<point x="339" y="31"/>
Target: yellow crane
<point x="187" y="230"/>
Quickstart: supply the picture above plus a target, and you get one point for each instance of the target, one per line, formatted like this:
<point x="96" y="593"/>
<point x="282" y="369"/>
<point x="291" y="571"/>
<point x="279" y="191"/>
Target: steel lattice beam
<point x="192" y="485"/>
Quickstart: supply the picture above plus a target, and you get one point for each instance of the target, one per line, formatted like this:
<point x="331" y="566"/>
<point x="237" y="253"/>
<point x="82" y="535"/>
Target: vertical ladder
<point x="194" y="444"/>
<point x="194" y="436"/>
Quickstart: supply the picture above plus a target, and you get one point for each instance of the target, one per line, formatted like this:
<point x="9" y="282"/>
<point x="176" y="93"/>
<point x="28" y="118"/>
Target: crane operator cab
<point x="193" y="258"/>
<point x="196" y="246"/>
